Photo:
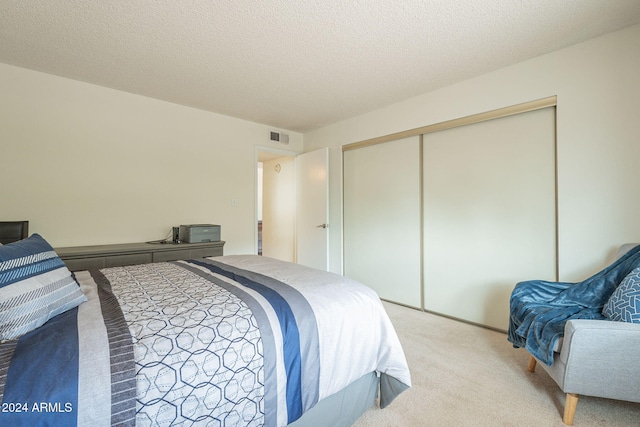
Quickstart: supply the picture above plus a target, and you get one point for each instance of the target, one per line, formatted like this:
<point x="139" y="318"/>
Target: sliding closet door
<point x="489" y="214"/>
<point x="382" y="215"/>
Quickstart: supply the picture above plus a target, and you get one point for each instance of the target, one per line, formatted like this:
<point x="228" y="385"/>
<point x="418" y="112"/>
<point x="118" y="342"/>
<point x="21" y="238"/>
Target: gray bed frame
<point x="343" y="408"/>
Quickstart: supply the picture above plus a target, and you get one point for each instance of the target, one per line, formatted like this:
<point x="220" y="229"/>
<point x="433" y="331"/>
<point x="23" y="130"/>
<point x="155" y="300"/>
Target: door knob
<point x="323" y="226"/>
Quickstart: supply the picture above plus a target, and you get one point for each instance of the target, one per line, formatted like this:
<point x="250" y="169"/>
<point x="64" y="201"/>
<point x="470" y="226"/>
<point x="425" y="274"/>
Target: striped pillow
<point x="35" y="286"/>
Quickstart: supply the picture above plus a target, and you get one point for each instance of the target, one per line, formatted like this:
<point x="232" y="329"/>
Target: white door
<point x="312" y="209"/>
<point x="489" y="214"/>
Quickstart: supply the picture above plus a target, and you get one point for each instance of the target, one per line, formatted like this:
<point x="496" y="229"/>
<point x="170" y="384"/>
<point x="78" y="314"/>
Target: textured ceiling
<point x="292" y="64"/>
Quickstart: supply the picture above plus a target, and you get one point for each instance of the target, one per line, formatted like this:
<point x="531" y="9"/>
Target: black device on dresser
<point x="12" y="231"/>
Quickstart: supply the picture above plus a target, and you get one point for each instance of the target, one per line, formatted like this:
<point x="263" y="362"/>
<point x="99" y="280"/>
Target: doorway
<point x="275" y="217"/>
<point x="293" y="206"/>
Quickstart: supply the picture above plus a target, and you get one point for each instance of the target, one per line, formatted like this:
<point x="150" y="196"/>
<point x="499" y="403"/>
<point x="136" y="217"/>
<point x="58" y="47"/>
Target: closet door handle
<point x="322" y="226"/>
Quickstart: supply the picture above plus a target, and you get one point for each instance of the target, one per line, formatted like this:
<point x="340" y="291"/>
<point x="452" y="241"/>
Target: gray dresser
<point x="101" y="256"/>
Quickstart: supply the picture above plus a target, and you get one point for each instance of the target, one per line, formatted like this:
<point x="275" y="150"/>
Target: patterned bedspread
<point x="235" y="340"/>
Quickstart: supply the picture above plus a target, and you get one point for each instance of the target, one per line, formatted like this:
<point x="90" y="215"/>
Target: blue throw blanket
<point x="539" y="309"/>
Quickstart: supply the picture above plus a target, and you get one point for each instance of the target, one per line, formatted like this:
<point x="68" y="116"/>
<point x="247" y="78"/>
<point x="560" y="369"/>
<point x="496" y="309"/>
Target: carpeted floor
<point x="464" y="375"/>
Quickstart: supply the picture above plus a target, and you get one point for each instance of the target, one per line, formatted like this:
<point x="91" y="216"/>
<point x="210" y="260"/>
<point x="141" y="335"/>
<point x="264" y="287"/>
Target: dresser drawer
<point x="128" y="259"/>
<point x="84" y="263"/>
<point x="171" y="255"/>
<point x="205" y="252"/>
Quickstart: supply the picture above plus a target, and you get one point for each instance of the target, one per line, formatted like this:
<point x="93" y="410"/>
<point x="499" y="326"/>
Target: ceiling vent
<point x="279" y="137"/>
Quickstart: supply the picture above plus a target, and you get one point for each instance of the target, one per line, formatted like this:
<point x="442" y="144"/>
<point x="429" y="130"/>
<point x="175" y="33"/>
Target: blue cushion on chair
<point x="624" y="303"/>
<point x="35" y="286"/>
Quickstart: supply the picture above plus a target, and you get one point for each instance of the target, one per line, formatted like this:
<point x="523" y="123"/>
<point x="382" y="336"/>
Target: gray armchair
<point x="596" y="358"/>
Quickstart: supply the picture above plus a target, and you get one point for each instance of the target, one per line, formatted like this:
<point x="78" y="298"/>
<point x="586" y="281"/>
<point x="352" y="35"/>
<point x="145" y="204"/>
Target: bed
<point x="235" y="340"/>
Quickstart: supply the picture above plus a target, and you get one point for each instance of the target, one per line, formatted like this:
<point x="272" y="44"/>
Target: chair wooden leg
<point x="532" y="364"/>
<point x="570" y="409"/>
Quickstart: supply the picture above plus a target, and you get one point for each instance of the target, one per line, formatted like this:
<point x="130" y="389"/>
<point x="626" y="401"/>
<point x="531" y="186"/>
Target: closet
<point x="449" y="217"/>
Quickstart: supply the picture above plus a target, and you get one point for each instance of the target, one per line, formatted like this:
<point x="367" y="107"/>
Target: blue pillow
<point x="35" y="286"/>
<point x="624" y="303"/>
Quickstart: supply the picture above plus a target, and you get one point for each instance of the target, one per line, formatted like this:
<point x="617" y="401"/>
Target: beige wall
<point x="597" y="132"/>
<point x="90" y="165"/>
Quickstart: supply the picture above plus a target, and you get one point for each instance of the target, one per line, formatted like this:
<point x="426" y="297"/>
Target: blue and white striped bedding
<point x="243" y="340"/>
<point x="76" y="369"/>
